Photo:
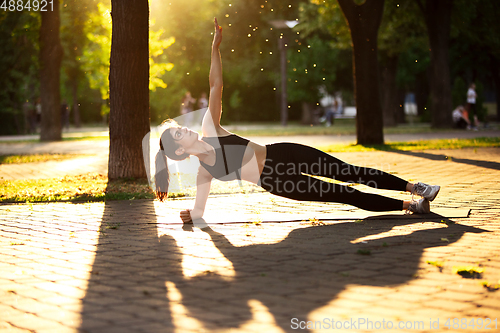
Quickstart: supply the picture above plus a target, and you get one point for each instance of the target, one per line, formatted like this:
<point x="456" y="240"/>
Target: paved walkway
<point x="129" y="266"/>
<point x="98" y="150"/>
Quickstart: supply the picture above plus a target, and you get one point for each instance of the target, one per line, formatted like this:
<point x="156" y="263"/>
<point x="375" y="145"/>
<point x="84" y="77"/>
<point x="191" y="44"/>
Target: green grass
<point x="16" y="159"/>
<point x="91" y="187"/>
<point x="96" y="187"/>
<point x="341" y="127"/>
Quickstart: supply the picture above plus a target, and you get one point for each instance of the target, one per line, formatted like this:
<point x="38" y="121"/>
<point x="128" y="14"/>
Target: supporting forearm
<point x="203" y="184"/>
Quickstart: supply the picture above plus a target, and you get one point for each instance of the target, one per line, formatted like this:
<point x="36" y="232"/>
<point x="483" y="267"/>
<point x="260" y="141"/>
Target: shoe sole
<point x="435" y="194"/>
<point x="427" y="206"/>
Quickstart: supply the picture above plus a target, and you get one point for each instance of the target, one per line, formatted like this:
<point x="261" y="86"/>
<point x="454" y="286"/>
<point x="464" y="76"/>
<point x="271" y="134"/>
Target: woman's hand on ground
<point x="217" y="34"/>
<point x="186" y="216"/>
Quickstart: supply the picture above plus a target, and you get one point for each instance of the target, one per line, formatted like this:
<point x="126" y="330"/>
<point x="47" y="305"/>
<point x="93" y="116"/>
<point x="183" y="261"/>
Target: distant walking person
<point x="38" y="110"/>
<point x="203" y="101"/>
<point x="471" y="104"/>
<point x="340" y="106"/>
<point x="187" y="107"/>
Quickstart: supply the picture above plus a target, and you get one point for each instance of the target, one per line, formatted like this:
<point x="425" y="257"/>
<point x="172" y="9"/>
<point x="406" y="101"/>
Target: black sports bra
<point x="229" y="151"/>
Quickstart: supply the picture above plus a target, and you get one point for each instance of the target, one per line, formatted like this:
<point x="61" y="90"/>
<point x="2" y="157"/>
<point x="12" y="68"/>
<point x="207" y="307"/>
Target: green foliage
<point x="402" y="28"/>
<point x="326" y="52"/>
<point x="327" y="18"/>
<point x="403" y="34"/>
<point x="158" y="64"/>
<point x="95" y="56"/>
<point x="190" y="23"/>
<point x="312" y="63"/>
<point x="459" y="92"/>
<point x="249" y="53"/>
<point x="73" y="15"/>
<point x="19" y="67"/>
<point x="180" y="41"/>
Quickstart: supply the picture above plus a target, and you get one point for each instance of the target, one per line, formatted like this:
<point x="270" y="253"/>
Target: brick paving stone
<point x="8" y="328"/>
<point x="490" y="302"/>
<point x="115" y="281"/>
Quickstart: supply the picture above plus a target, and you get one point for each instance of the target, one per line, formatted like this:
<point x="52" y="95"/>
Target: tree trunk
<point x="389" y="91"/>
<point x="129" y="88"/>
<point x="308" y="117"/>
<point x="422" y="92"/>
<point x="50" y="68"/>
<point x="364" y="22"/>
<point x="438" y="20"/>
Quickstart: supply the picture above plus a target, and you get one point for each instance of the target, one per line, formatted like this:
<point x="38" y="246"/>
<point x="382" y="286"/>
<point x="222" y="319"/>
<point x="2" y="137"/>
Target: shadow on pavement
<point x="440" y="157"/>
<point x="310" y="267"/>
<point x="291" y="278"/>
<point x="126" y="291"/>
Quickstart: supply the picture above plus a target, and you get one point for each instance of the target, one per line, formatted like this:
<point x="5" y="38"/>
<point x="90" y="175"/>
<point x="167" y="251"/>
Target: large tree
<point x="128" y="88"/>
<point x="437" y="16"/>
<point x="20" y="77"/>
<point x="51" y="54"/>
<point x="402" y="33"/>
<point x="364" y="21"/>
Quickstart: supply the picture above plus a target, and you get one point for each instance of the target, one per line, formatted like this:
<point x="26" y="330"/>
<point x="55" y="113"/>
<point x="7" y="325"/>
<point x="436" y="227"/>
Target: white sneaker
<point x="421" y="206"/>
<point x="428" y="192"/>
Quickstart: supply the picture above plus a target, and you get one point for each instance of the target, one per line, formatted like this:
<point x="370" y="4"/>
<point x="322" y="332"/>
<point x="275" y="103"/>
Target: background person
<point x="203" y="101"/>
<point x="461" y="118"/>
<point x="471" y="104"/>
<point x="187" y="107"/>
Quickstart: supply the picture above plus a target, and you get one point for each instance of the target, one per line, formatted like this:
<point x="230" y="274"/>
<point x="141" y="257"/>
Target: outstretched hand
<point x="217" y="34"/>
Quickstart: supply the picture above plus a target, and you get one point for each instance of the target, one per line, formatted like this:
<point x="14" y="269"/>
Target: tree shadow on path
<point x="127" y="289"/>
<point x="310" y="268"/>
<point x="441" y="157"/>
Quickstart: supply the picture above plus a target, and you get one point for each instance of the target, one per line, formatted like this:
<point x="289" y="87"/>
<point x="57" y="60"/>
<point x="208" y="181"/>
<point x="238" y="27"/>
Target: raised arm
<point x="215" y="79"/>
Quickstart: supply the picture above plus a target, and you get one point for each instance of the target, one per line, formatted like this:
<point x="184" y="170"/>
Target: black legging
<point x="286" y="163"/>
